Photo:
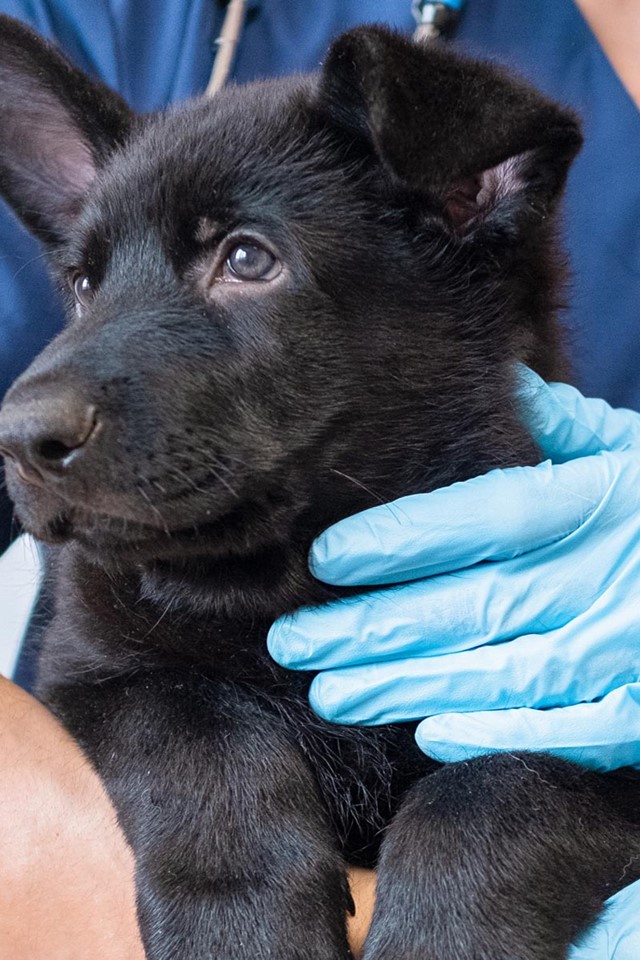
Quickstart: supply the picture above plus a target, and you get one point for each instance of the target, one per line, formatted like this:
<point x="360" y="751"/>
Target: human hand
<point x="521" y="626"/>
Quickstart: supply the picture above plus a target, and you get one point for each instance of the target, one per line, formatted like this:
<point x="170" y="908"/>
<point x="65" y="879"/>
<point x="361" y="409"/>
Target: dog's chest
<point x="101" y="636"/>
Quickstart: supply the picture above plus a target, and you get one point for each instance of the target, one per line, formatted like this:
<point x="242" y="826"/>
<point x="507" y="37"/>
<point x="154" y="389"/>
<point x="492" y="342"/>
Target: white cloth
<point x="20" y="579"/>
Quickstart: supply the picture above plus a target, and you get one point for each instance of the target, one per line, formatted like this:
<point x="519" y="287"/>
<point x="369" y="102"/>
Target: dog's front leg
<point x="234" y="855"/>
<point x="506" y="857"/>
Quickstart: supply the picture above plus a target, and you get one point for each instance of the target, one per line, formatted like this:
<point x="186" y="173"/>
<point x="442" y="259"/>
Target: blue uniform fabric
<point x="550" y="43"/>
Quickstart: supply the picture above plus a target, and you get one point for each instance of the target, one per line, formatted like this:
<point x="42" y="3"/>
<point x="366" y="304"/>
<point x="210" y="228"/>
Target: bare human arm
<point x="616" y="25"/>
<point x="66" y="890"/>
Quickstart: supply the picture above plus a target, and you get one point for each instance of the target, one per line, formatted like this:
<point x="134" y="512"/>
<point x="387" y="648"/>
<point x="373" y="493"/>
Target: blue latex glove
<point x="537" y="649"/>
<point x="617" y="935"/>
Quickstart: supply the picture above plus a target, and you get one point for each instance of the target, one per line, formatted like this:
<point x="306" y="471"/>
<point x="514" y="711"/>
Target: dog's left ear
<point x="491" y="148"/>
<point x="57" y="126"/>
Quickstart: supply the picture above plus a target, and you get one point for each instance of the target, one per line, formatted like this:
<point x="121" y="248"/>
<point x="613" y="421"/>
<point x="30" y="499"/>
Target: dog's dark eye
<point x="82" y="289"/>
<point x="250" y="261"/>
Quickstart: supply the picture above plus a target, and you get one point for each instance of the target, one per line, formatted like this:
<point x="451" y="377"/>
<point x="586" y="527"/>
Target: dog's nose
<point x="46" y="435"/>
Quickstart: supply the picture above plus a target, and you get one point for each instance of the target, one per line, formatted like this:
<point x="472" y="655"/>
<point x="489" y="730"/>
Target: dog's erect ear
<point x="56" y="127"/>
<point x="462" y="130"/>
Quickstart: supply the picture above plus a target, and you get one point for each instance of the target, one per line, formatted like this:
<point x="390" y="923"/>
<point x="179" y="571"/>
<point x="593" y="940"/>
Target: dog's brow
<point x="206" y="229"/>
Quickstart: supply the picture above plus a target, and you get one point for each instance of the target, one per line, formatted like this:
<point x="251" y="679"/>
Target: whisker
<point x="164" y="613"/>
<point x="41" y="256"/>
<point x="358" y="483"/>
<point x="158" y="513"/>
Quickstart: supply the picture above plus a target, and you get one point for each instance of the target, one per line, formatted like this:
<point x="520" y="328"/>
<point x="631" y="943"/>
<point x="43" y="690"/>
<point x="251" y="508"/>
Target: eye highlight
<point x="82" y="288"/>
<point x="249" y="260"/>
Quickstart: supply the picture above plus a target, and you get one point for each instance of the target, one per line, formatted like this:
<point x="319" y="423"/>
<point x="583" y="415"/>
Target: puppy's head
<point x="285" y="303"/>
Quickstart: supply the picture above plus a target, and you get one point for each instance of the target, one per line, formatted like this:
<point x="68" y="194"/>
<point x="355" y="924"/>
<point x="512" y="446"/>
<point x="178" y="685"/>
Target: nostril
<point x="60" y="450"/>
<point x="53" y="450"/>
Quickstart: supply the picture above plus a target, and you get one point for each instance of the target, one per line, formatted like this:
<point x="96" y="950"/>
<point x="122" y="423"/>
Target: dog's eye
<point x="250" y="261"/>
<point x="82" y="289"/>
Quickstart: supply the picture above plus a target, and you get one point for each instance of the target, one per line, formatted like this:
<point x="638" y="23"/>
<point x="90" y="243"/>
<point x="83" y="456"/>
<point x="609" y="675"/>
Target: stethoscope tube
<point x="226" y="44"/>
<point x="432" y="19"/>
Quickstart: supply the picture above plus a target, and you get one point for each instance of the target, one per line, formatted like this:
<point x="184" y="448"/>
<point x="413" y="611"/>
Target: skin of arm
<point x="616" y="24"/>
<point x="67" y="888"/>
<point x="67" y="874"/>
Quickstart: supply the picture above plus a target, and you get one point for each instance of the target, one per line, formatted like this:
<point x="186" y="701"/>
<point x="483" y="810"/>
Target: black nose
<point x="47" y="434"/>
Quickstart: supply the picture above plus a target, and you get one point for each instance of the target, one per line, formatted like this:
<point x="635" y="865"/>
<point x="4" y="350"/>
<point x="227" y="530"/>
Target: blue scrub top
<point x="156" y="52"/>
<point x="550" y="43"/>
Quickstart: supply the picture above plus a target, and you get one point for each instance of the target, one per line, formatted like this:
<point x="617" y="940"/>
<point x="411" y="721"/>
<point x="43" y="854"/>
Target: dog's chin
<point x="106" y="538"/>
<point x="196" y="566"/>
<point x="136" y="535"/>
<point x="40" y="512"/>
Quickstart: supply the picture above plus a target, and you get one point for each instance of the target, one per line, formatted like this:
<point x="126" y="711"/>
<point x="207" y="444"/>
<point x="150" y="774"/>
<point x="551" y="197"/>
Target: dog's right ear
<point x="489" y="148"/>
<point x="56" y="128"/>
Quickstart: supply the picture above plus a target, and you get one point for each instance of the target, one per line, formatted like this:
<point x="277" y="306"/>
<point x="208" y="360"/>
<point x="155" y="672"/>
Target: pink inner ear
<point x="473" y="197"/>
<point x="74" y="164"/>
<point x="462" y="200"/>
<point x="60" y="158"/>
<point x="48" y="150"/>
<point x="502" y="181"/>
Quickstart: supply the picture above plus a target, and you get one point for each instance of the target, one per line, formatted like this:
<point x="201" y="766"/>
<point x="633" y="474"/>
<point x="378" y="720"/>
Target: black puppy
<point x="286" y="304"/>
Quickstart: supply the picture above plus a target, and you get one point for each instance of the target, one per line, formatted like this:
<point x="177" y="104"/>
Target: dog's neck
<point x="215" y="614"/>
<point x="265" y="584"/>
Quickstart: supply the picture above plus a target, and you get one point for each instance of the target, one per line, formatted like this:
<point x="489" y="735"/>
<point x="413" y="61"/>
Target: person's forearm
<point x="616" y="25"/>
<point x="66" y="887"/>
<point x="67" y="890"/>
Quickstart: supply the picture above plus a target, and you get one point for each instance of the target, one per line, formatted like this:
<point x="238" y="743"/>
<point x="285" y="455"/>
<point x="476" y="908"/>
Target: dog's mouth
<point x="135" y="529"/>
<point x="131" y="510"/>
<point x="99" y="531"/>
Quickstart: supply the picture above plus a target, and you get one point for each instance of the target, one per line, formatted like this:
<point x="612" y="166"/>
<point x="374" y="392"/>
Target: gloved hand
<point x="617" y="935"/>
<point x="537" y="649"/>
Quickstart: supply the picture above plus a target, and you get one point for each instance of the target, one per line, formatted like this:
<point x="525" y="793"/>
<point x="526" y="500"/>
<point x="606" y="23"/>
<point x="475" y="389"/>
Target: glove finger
<point x="567" y="425"/>
<point x="441" y="615"/>
<point x="485" y="604"/>
<point x="404" y="690"/>
<point x="616" y="936"/>
<point x="502" y="514"/>
<point x="604" y="735"/>
<point x="543" y="671"/>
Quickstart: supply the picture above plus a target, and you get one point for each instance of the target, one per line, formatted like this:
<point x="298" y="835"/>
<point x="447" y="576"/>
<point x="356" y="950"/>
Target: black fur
<point x="409" y="197"/>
